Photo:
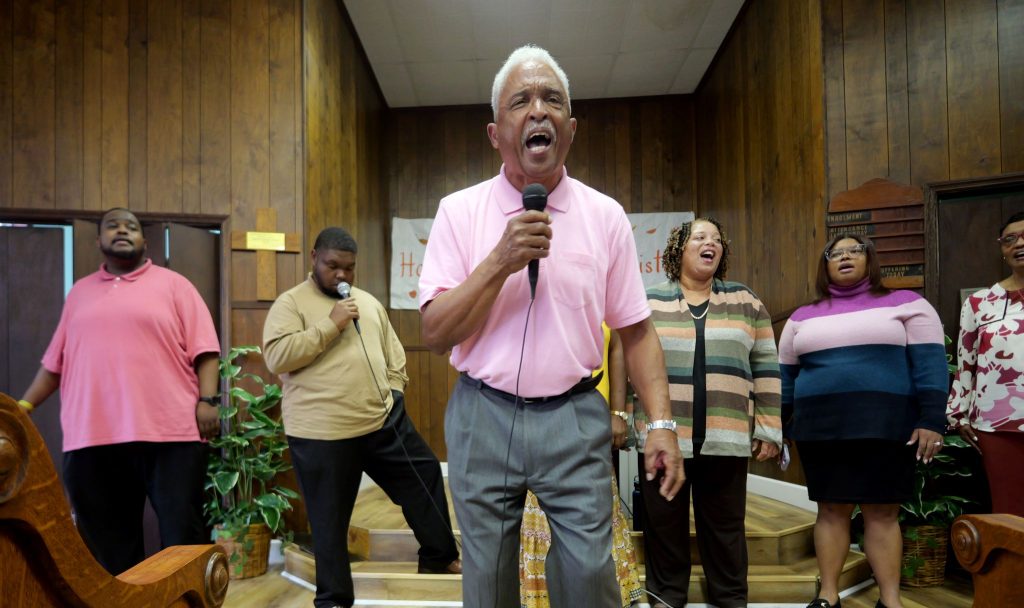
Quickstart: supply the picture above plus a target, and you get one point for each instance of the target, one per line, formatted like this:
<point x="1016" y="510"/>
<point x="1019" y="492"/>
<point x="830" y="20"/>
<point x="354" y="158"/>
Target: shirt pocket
<point x="574" y="279"/>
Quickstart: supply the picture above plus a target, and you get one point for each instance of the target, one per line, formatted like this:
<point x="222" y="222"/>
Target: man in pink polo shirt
<point x="524" y="414"/>
<point x="135" y="357"/>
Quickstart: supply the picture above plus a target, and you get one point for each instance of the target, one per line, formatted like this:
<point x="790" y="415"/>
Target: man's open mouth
<point x="538" y="141"/>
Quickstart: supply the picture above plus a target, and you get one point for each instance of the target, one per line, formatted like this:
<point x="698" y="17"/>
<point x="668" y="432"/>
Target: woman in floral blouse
<point x="986" y="403"/>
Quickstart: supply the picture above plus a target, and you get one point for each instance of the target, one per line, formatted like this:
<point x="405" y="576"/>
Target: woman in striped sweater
<point x="863" y="395"/>
<point x="724" y="385"/>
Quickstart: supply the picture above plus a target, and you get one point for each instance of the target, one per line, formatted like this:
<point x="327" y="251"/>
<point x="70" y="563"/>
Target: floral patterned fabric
<point x="988" y="389"/>
<point x="535" y="539"/>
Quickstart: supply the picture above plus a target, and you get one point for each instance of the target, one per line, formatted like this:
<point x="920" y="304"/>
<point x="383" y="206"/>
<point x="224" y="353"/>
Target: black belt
<point x="583" y="386"/>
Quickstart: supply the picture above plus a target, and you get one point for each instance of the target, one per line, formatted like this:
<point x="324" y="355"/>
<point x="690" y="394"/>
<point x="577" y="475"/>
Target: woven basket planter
<point x="924" y="554"/>
<point x="248" y="555"/>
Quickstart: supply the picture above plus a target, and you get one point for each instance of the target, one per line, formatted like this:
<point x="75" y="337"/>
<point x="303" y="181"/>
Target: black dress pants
<point x="108" y="486"/>
<point x="719" y="487"/>
<point x="329" y="473"/>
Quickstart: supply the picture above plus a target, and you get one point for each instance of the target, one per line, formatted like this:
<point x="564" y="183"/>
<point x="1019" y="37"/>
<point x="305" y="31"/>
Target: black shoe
<point x="880" y="604"/>
<point x="455" y="567"/>
<point x="823" y="603"/>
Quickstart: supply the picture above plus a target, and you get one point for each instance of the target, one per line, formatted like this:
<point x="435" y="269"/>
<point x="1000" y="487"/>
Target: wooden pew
<point x="44" y="561"/>
<point x="991" y="547"/>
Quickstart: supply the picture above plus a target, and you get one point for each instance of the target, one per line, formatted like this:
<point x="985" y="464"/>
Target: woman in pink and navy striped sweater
<point x="863" y="395"/>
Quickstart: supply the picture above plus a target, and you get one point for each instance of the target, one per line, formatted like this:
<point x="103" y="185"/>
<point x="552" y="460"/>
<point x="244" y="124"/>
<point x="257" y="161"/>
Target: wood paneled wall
<point x="432" y="152"/>
<point x="344" y="128"/>
<point x="923" y="90"/>
<point x="196" y="107"/>
<point x="226" y="106"/>
<point x="639" y="151"/>
<point x="760" y="150"/>
<point x="170" y="106"/>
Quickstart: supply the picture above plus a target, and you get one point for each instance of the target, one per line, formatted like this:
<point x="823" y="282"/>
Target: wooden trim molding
<point x="21" y="214"/>
<point x="221" y="222"/>
<point x="250" y="305"/>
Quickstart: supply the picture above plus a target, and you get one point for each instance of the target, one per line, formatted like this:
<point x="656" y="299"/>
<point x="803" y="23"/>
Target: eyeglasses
<point x="1009" y="238"/>
<point x="856" y="251"/>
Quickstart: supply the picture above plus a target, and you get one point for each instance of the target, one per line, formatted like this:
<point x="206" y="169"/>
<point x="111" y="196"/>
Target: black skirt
<point x="869" y="471"/>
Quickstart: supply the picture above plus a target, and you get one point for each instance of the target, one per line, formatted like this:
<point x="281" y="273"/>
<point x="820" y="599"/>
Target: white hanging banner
<point x="650" y="231"/>
<point x="409" y="241"/>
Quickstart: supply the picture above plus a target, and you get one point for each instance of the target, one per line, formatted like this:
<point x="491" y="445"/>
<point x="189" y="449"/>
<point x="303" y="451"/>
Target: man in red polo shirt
<point x="135" y="356"/>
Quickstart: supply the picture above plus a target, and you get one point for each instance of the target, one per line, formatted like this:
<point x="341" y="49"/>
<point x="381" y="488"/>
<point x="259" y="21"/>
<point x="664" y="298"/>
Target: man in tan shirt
<point x="343" y="370"/>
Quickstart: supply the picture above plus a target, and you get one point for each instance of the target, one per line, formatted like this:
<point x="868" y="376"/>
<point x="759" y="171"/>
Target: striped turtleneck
<point x="862" y="365"/>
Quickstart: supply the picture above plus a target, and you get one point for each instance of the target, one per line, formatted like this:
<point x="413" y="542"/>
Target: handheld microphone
<point x="344" y="291"/>
<point x="535" y="198"/>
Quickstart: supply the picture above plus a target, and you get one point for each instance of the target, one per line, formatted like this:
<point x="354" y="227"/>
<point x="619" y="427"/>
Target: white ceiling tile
<point x="410" y="10"/>
<point x="364" y="11"/>
<point x="529" y="6"/>
<point x="435" y="36"/>
<point x="568" y="31"/>
<point x="588" y="74"/>
<point x="382" y="46"/>
<point x="663" y="24"/>
<point x="570" y="5"/>
<point x="491" y="33"/>
<point x="649" y="73"/>
<point x="693" y="69"/>
<point x="444" y="83"/>
<point x="443" y="52"/>
<point x="717" y="23"/>
<point x="596" y="5"/>
<point x="605" y="28"/>
<point x="395" y="83"/>
<point x="454" y="6"/>
<point x="486" y="69"/>
<point x="402" y="102"/>
<point x="476" y="5"/>
<point x="531" y="27"/>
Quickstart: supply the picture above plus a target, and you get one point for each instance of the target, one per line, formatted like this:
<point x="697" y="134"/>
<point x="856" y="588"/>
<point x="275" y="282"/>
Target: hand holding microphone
<point x="535" y="198"/>
<point x="527" y="237"/>
<point x="345" y="309"/>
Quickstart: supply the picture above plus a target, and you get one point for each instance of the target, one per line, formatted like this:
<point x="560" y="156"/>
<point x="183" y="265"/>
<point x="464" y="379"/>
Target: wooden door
<point x="156" y="242"/>
<point x="969" y="256"/>
<point x="86" y="254"/>
<point x="191" y="252"/>
<point x="195" y="253"/>
<point x="31" y="299"/>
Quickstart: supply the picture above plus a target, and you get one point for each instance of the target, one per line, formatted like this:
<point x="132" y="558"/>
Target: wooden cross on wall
<point x="266" y="243"/>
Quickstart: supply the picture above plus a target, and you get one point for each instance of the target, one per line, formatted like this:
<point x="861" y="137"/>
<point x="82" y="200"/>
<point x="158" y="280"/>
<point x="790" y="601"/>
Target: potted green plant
<point x="926" y="518"/>
<point x="928" y="515"/>
<point x="244" y="507"/>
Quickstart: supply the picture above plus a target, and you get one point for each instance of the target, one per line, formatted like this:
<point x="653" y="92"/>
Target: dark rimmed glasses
<point x="836" y="254"/>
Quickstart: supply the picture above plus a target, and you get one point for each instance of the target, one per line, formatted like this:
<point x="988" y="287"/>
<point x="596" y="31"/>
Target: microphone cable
<point x="401" y="444"/>
<point x="508" y="452"/>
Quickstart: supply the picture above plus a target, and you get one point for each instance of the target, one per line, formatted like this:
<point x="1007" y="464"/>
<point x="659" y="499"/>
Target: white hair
<point x="518" y="57"/>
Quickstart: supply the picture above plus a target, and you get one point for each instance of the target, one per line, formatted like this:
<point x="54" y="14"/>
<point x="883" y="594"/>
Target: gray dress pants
<point x="560" y="451"/>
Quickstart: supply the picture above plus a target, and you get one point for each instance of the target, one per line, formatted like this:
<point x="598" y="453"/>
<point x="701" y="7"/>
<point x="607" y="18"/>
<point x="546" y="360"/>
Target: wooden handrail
<point x="991" y="548"/>
<point x="45" y="561"/>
